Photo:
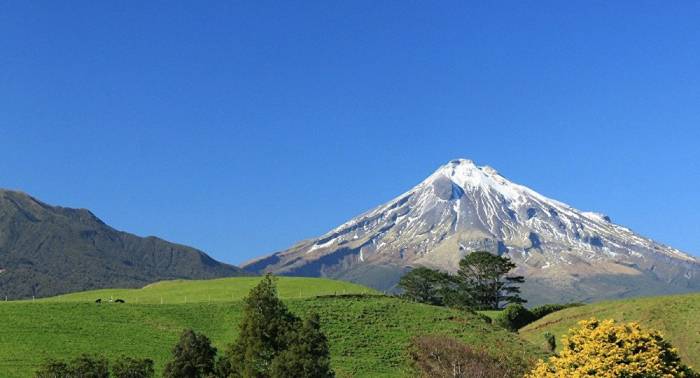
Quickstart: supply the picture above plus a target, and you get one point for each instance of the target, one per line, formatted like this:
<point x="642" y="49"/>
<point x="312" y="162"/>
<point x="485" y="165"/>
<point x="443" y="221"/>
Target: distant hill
<point x="47" y="250"/>
<point x="368" y="335"/>
<point x="566" y="255"/>
<point x="216" y="290"/>
<point x="675" y="316"/>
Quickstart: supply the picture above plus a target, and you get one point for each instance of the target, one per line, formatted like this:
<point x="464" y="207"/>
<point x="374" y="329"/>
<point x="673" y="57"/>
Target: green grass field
<point x="368" y="335"/>
<point x="677" y="317"/>
<point x="218" y="290"/>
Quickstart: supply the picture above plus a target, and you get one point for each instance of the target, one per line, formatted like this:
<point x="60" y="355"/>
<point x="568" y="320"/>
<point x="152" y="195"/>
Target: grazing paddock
<point x="368" y="335"/>
<point x="217" y="290"/>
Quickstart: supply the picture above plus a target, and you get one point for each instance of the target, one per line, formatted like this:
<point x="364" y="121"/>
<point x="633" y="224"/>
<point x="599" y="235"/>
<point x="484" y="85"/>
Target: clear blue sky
<point x="241" y="128"/>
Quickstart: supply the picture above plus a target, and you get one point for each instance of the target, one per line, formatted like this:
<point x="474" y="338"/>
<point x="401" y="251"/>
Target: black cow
<point x="99" y="300"/>
<point x="119" y="301"/>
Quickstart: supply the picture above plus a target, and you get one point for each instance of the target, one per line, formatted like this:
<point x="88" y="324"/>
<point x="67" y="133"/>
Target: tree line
<point x="481" y="283"/>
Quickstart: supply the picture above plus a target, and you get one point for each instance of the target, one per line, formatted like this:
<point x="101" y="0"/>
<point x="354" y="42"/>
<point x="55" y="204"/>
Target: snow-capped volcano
<point x="564" y="253"/>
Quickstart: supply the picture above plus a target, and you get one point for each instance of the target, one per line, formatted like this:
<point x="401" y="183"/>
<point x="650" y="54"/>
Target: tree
<point x="426" y="285"/>
<point x="128" y="367"/>
<point x="193" y="357"/>
<point x="484" y="278"/>
<point x="606" y="349"/>
<point x="307" y="356"/>
<point x="265" y="332"/>
<point x="272" y="342"/>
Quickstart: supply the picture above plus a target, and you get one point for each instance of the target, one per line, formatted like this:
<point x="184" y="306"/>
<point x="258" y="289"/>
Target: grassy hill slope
<point x="368" y="334"/>
<point x="217" y="290"/>
<point x="675" y="316"/>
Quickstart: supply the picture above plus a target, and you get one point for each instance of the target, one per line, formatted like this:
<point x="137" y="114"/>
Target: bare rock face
<point x="565" y="254"/>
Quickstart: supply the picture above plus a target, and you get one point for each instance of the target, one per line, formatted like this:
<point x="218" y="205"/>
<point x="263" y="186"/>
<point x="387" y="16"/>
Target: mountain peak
<point x="464" y="207"/>
<point x="462" y="168"/>
<point x="468" y="176"/>
<point x="462" y="161"/>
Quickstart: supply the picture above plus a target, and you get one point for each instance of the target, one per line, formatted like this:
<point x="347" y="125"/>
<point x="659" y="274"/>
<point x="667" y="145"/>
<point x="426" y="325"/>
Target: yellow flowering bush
<point x="606" y="349"/>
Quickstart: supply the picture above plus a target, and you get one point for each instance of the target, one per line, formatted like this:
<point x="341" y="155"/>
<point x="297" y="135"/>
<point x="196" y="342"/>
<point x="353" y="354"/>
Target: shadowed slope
<point x="47" y="250"/>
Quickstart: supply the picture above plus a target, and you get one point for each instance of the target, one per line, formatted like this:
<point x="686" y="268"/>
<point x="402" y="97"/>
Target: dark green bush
<point x="128" y="367"/>
<point x="514" y="317"/>
<point x="53" y="369"/>
<point x="544" y="310"/>
<point x="193" y="357"/>
<point x="550" y="342"/>
<point x="85" y="366"/>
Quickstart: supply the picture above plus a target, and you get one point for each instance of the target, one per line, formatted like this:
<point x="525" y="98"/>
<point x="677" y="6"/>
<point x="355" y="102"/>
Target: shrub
<point x="87" y="366"/>
<point x="53" y="369"/>
<point x="84" y="366"/>
<point x="440" y="356"/>
<point x="544" y="310"/>
<point x="550" y="342"/>
<point x="605" y="349"/>
<point x="128" y="367"/>
<point x="514" y="317"/>
<point x="193" y="357"/>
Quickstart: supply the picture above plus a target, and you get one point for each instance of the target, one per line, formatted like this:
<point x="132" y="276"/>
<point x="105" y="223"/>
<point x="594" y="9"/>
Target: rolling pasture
<point x="368" y="334"/>
<point x="216" y="290"/>
<point x="677" y="317"/>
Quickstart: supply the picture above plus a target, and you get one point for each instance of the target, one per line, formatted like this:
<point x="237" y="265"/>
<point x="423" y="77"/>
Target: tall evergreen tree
<point x="265" y="331"/>
<point x="307" y="356"/>
<point x="484" y="278"/>
<point x="193" y="357"/>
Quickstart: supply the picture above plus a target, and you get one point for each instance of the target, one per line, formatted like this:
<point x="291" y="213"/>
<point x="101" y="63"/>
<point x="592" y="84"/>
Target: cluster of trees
<point x="272" y="342"/>
<point x="482" y="283"/>
<point x="97" y="367"/>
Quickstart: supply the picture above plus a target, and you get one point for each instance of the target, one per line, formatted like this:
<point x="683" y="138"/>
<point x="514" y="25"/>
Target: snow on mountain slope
<point x="564" y="253"/>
